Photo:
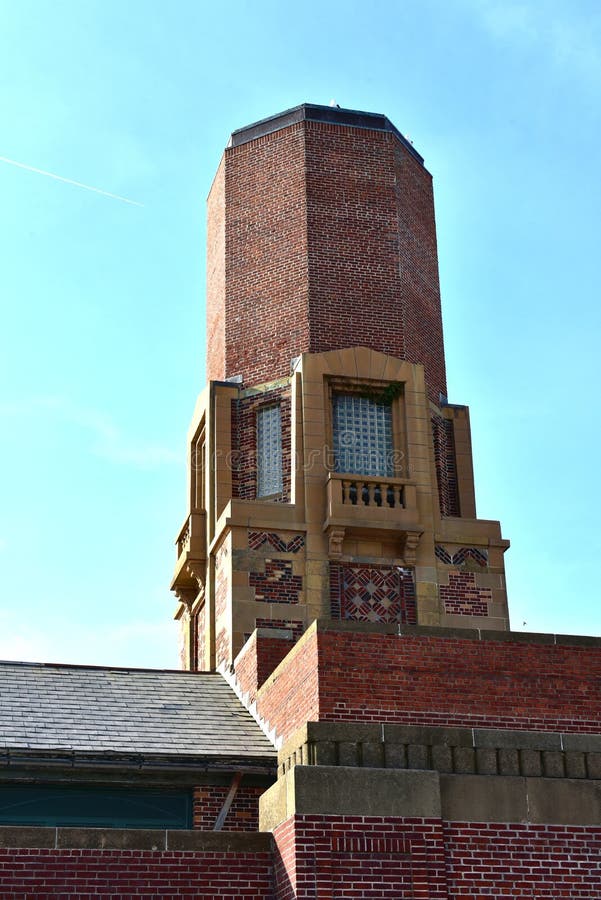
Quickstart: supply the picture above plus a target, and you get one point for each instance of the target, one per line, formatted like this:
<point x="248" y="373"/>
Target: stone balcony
<point x="191" y="561"/>
<point x="355" y="503"/>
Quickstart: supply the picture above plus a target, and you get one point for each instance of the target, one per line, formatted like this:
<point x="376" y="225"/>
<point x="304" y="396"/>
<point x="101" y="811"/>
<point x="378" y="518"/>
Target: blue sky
<point x="101" y="345"/>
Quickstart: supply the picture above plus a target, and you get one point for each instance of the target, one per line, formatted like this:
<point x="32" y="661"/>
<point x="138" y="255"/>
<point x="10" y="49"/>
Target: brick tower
<point x="333" y="572"/>
<point x="329" y="477"/>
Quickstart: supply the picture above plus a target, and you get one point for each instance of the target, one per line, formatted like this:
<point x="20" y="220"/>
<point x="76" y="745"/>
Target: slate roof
<point x="89" y="709"/>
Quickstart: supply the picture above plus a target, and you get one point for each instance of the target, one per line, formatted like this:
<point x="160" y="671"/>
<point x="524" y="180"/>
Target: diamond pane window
<point x="269" y="451"/>
<point x="362" y="436"/>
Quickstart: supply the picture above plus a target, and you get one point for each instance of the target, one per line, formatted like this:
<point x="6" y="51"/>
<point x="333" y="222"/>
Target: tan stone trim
<point x="342" y="791"/>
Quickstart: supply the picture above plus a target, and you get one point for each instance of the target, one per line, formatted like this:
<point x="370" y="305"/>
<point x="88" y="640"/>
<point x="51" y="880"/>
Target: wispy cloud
<point x="79" y="184"/>
<point x="108" y="440"/>
<point x="570" y="39"/>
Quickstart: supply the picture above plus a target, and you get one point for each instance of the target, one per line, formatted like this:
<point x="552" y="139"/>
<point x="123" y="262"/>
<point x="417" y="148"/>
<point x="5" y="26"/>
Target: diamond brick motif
<point x="257" y="539"/>
<point x="460" y="556"/>
<point x="374" y="593"/>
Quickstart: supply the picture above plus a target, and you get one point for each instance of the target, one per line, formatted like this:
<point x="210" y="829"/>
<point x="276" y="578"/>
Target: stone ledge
<point x="470" y="634"/>
<point x="343" y="791"/>
<point x="480" y="751"/>
<point x="16" y="836"/>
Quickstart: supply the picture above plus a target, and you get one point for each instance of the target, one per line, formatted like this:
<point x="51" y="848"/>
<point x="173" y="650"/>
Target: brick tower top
<point x="321" y="236"/>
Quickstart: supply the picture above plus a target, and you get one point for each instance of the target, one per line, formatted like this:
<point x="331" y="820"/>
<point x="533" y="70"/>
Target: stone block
<point x="395" y="755"/>
<point x="553" y="764"/>
<point x="26" y="836"/>
<point x="348" y="753"/>
<point x="486" y="761"/>
<point x="575" y="764"/>
<point x="564" y="801"/>
<point x="372" y="754"/>
<point x="418" y="756"/>
<point x="509" y="763"/>
<point x="442" y="758"/>
<point x="483" y="798"/>
<point x="531" y="762"/>
<point x="464" y="760"/>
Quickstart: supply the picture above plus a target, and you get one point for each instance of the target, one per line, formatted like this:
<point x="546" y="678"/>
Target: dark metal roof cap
<point x="312" y="112"/>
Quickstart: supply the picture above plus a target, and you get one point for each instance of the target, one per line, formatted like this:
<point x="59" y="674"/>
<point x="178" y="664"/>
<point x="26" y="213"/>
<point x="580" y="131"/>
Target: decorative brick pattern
<point x="106" y="874"/>
<point x="243" y="814"/>
<point x="463" y="597"/>
<point x="367" y="593"/>
<point x="460" y="556"/>
<point x="277" y="584"/>
<point x="446" y="467"/>
<point x="202" y="662"/>
<point x="222" y="638"/>
<point x="347" y="857"/>
<point x="244" y="442"/>
<point x="257" y="539"/>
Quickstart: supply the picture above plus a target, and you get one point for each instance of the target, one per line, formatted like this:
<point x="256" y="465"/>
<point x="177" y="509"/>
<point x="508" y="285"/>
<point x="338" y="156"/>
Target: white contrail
<point x="87" y="187"/>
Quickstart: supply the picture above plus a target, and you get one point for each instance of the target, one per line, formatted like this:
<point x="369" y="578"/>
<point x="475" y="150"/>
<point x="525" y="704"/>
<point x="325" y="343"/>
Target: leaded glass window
<point x="269" y="451"/>
<point x="362" y="431"/>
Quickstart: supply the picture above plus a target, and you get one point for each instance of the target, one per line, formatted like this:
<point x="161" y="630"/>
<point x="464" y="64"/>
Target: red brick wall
<point x="134" y="873"/>
<point x="422" y="318"/>
<point x="454" y="681"/>
<point x="405" y="859"/>
<point x="427" y="680"/>
<point x="329" y="242"/>
<point x="265" y="297"/>
<point x="355" y="285"/>
<point x="257" y="660"/>
<point x="243" y="814"/>
<point x="533" y="861"/>
<point x="291" y="698"/>
<point x="358" y="857"/>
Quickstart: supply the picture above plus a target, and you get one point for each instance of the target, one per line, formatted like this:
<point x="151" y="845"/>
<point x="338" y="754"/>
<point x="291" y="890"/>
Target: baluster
<point x="378" y="494"/>
<point x="365" y="494"/>
<point x="353" y="492"/>
<point x="402" y="496"/>
<point x="344" y="486"/>
<point x="390" y="495"/>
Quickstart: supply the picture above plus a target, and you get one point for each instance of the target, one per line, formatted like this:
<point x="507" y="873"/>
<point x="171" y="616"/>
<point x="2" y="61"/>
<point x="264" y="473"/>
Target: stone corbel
<point x="187" y="596"/>
<point x="197" y="569"/>
<point x="410" y="547"/>
<point x="336" y="538"/>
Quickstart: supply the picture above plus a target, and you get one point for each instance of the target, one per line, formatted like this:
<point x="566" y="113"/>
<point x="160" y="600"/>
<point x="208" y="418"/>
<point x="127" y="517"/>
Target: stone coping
<point x="18" y="836"/>
<point x="451" y="750"/>
<point x="331" y="791"/>
<point x="468" y="634"/>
